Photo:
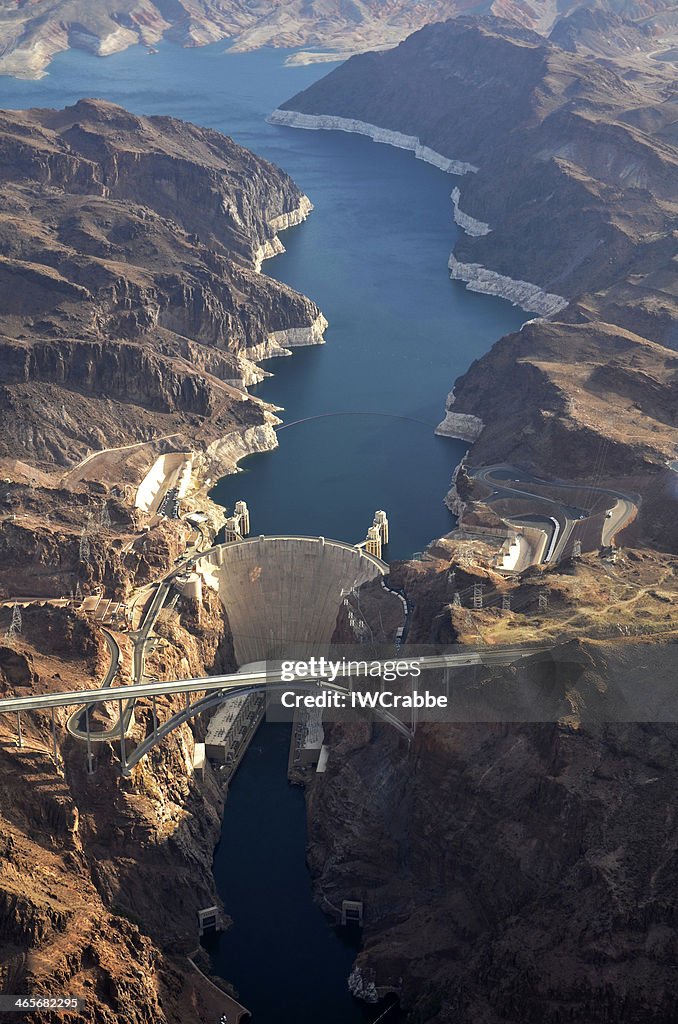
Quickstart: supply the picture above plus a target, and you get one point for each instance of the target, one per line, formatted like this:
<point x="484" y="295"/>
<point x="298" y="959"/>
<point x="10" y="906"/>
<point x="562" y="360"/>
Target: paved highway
<point x="563" y="518"/>
<point x="245" y="680"/>
<point x="74" y="473"/>
<point x="75" y="725"/>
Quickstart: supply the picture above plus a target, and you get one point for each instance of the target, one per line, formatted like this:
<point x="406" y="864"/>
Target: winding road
<point x="561" y="520"/>
<point x="74" y="724"/>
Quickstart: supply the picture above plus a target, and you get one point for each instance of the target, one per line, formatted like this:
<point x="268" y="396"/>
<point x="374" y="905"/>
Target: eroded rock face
<point x="507" y="870"/>
<point x="131" y="305"/>
<point x="101" y="878"/>
<point x="603" y="184"/>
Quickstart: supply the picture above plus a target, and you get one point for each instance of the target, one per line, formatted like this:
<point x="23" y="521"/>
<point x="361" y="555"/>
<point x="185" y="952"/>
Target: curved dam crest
<point x="280" y="592"/>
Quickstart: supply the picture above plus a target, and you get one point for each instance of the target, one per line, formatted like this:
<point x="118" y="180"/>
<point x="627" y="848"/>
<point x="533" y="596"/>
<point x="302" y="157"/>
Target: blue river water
<point x="373" y="255"/>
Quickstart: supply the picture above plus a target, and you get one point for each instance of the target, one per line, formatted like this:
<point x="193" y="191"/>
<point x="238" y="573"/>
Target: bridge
<point x="284" y="592"/>
<point x="280" y="595"/>
<point x="215" y="689"/>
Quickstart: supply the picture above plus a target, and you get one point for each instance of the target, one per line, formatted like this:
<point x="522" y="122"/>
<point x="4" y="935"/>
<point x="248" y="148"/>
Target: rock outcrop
<point x="130" y="303"/>
<point x="331" y="30"/>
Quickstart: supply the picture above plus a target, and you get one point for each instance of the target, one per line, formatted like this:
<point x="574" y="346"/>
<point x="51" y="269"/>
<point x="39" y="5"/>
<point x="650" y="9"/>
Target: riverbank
<point x="476" y="277"/>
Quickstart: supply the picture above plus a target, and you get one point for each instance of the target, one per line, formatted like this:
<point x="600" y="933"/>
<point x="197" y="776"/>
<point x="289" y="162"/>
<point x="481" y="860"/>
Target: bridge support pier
<point x="123" y="754"/>
<point x="90" y="769"/>
<point x="20" y="735"/>
<point x="55" y="750"/>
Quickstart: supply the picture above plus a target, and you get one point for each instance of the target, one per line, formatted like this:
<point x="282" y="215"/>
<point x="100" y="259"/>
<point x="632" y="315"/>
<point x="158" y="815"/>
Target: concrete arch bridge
<point x="281" y="597"/>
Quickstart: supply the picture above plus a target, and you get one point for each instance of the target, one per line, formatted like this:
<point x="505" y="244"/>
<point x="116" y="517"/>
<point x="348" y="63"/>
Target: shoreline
<point x="223" y="456"/>
<point x="273" y="246"/>
<point x="529" y="296"/>
<point x="525" y="294"/>
<point x="330" y="122"/>
<point x="468" y="224"/>
<point x="477" y="278"/>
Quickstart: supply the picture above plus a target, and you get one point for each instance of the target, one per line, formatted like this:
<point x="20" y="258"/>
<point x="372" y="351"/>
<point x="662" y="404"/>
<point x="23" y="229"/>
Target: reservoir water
<point x="373" y="255"/>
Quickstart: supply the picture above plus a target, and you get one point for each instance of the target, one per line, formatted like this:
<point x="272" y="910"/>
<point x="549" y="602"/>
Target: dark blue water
<point x="373" y="255"/>
<point x="297" y="962"/>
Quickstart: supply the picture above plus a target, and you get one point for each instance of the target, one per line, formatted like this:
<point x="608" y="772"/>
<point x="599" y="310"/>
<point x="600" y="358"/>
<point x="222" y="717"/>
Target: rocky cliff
<point x="524" y="872"/>
<point x="132" y="314"/>
<point x="508" y="872"/>
<point x="518" y="865"/>
<point x="567" y="204"/>
<point x="559" y="145"/>
<point x="91" y="864"/>
<point x="131" y="303"/>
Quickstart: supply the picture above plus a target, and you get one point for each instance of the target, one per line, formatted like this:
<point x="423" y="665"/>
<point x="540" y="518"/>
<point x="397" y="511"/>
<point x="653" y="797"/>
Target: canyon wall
<point x="132" y="314"/>
<point x="131" y="306"/>
<point x="91" y="864"/>
<point x="567" y="207"/>
<point x="524" y="872"/>
<point x="583" y="164"/>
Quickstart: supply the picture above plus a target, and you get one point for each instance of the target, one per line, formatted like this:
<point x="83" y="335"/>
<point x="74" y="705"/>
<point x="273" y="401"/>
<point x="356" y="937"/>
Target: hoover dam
<point x="284" y="592"/>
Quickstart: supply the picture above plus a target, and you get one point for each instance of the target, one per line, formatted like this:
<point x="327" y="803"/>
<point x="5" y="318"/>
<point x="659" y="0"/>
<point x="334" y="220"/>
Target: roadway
<point x="74" y="722"/>
<point x="257" y="678"/>
<point x="140" y="639"/>
<point x="74" y="474"/>
<point x="561" y="520"/>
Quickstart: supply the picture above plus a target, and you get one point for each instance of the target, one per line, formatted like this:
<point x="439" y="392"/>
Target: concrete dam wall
<point x="282" y="595"/>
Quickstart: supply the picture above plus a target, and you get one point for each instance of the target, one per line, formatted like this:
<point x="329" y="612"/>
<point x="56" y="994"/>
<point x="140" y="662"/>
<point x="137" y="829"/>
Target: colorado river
<point x="373" y="255"/>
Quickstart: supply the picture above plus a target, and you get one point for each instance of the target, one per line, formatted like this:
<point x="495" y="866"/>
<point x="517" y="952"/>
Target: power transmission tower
<point x="543" y="601"/>
<point x="506" y="602"/>
<point x="477" y="596"/>
<point x="456" y="601"/>
<point x="576" y="550"/>
<point x="84" y="546"/>
<point x="105" y="517"/>
<point x="16" y="624"/>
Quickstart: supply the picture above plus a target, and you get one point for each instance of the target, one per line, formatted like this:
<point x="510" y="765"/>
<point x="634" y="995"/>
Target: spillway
<point x="282" y="595"/>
